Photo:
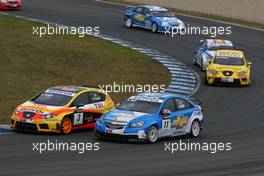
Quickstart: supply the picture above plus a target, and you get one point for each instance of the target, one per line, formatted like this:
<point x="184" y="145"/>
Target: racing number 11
<point x="166" y="124"/>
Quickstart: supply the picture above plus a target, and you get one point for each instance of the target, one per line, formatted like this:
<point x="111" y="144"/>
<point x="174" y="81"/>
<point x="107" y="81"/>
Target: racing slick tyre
<point x="154" y="27"/>
<point x="195" y="129"/>
<point x="152" y="135"/>
<point x="66" y="125"/>
<point x="129" y="23"/>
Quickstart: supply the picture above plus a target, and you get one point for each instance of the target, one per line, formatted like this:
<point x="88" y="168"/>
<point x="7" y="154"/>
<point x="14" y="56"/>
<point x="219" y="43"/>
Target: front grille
<point x="227" y="73"/>
<point x="174" y="24"/>
<point x="114" y="126"/>
<point x="28" y="115"/>
<point x="26" y="127"/>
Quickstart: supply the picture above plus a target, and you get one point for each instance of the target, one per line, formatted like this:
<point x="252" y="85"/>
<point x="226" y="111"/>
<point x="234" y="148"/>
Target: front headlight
<point x="137" y="124"/>
<point x="242" y="74"/>
<point x="214" y="72"/>
<point x="165" y="23"/>
<point x="48" y="116"/>
<point x="16" y="111"/>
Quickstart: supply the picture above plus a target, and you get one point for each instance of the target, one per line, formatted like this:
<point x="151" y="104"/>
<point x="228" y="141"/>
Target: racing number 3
<point x="78" y="119"/>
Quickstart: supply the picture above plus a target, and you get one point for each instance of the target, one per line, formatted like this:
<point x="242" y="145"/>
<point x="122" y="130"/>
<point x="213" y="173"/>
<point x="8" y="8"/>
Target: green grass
<point x="199" y="14"/>
<point x="30" y="64"/>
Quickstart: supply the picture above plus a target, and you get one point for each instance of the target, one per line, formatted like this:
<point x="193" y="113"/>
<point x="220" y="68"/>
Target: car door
<point x="139" y="17"/>
<point x="179" y="119"/>
<point x="147" y="18"/>
<point x="89" y="107"/>
<point x="79" y="116"/>
<point x="167" y="113"/>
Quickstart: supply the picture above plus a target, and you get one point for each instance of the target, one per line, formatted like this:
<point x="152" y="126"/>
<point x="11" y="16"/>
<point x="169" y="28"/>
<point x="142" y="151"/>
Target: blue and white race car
<point x="150" y="116"/>
<point x="207" y="49"/>
<point x="152" y="17"/>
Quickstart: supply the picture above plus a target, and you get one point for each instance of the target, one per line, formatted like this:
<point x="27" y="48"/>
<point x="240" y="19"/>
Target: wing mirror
<point x="201" y="41"/>
<point x="78" y="106"/>
<point x="249" y="63"/>
<point x="166" y="112"/>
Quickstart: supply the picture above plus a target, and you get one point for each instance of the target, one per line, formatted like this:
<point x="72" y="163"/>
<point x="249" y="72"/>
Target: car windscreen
<point x="229" y="61"/>
<point x="52" y="99"/>
<point x="218" y="47"/>
<point x="162" y="14"/>
<point x="139" y="106"/>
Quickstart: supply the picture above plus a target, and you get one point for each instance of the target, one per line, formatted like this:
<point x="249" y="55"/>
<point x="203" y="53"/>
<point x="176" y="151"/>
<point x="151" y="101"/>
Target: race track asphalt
<point x="231" y="114"/>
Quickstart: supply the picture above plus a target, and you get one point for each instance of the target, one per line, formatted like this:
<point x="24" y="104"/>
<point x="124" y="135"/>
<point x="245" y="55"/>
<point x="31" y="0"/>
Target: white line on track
<point x="179" y="72"/>
<point x="183" y="84"/>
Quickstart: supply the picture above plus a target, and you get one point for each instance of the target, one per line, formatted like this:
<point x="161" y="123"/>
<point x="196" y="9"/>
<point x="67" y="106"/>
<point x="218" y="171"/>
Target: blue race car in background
<point x="150" y="116"/>
<point x="207" y="49"/>
<point x="152" y="17"/>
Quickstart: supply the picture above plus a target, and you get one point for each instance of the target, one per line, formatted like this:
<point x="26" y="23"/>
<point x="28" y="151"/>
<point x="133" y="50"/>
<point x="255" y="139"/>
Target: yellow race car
<point x="228" y="67"/>
<point x="62" y="109"/>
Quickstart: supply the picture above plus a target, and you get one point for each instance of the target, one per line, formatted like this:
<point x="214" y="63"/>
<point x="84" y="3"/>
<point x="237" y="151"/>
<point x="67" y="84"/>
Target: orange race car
<point x="62" y="109"/>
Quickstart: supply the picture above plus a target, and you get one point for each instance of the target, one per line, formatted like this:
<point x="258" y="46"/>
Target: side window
<point x="146" y="11"/>
<point x="139" y="10"/>
<point x="182" y="104"/>
<point x="170" y="105"/>
<point x="81" y="99"/>
<point x="96" y="97"/>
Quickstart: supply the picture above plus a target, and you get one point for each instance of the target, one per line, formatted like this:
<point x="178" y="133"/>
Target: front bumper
<point x="124" y="134"/>
<point x="223" y="80"/>
<point x="108" y="136"/>
<point x="35" y="126"/>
